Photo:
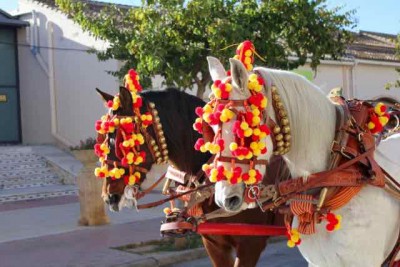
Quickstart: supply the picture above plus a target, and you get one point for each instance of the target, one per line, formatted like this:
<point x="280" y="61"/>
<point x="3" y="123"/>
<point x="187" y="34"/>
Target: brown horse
<point x="176" y="110"/>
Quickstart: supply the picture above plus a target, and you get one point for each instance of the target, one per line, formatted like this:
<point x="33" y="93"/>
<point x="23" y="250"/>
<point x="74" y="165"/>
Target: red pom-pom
<point x="330" y="227"/>
<point x="199" y="143"/>
<point x="199" y="111"/>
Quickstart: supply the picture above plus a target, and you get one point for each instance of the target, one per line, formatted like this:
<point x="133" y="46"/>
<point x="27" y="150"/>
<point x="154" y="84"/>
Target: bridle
<point x="156" y="145"/>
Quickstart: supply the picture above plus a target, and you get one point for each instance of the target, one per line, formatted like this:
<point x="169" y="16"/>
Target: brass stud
<point x="288" y="137"/>
<point x="279" y="105"/>
<point x="286" y="129"/>
<point x="273" y="89"/>
<point x="277" y="129"/>
<point x="159" y="161"/>
<point x="165" y="152"/>
<point x="157" y="120"/>
<point x="155" y="148"/>
<point x="279" y="144"/>
<point x="162" y="140"/>
<point x="159" y="126"/>
<point x="164" y="146"/>
<point x="285" y="121"/>
<point x="276" y="153"/>
<point x="279" y="137"/>
<point x="282" y="113"/>
<point x="287" y="144"/>
<point x="155" y="113"/>
<point x="152" y="105"/>
<point x="276" y="97"/>
<point x="152" y="142"/>
<point x="166" y="159"/>
<point x="157" y="154"/>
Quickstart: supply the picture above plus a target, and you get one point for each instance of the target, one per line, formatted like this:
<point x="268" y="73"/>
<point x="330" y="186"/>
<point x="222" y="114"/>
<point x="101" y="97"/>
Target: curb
<point x="165" y="259"/>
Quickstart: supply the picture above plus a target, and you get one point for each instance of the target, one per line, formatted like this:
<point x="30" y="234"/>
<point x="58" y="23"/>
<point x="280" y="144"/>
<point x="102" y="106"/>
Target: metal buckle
<point x="333" y="143"/>
<point x="344" y="154"/>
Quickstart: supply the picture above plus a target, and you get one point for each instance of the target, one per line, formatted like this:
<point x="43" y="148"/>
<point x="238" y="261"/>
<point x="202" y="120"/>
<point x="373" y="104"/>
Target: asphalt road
<point x="276" y="255"/>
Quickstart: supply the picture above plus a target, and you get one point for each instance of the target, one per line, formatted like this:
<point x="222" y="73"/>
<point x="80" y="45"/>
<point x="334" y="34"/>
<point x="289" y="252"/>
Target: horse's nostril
<point x="233" y="203"/>
<point x="114" y="199"/>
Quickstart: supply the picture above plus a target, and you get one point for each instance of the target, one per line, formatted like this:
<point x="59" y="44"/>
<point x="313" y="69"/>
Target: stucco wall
<point x="76" y="73"/>
<point x="371" y="80"/>
<point x="34" y="96"/>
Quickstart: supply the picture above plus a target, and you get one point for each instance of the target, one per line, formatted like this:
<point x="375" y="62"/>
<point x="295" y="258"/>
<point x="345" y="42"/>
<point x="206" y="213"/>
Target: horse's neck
<point x="312" y="121"/>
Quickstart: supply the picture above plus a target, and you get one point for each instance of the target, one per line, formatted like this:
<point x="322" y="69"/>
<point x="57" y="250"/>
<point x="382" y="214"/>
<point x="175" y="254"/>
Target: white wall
<point x="76" y="73"/>
<point x="371" y="80"/>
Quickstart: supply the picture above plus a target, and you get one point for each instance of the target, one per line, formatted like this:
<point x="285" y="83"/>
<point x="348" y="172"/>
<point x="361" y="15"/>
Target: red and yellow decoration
<point x="293" y="236"/>
<point x="334" y="221"/>
<point x="248" y="128"/>
<point x="378" y="118"/>
<point x="245" y="53"/>
<point x="129" y="128"/>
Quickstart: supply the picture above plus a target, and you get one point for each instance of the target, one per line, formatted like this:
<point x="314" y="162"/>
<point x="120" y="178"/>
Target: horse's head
<point x="244" y="132"/>
<point x="130" y="141"/>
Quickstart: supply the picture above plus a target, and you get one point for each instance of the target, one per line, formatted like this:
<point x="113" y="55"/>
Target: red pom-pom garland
<point x="130" y="131"/>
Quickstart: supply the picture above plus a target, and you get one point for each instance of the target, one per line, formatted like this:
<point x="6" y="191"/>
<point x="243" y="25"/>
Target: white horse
<point x="371" y="220"/>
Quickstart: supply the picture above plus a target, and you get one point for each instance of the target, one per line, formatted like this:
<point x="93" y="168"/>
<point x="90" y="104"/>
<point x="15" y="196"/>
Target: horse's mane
<point x="312" y="120"/>
<point x="176" y="110"/>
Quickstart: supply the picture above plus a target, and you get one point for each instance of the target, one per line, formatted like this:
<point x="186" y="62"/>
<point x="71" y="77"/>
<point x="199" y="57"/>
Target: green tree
<point x="173" y="37"/>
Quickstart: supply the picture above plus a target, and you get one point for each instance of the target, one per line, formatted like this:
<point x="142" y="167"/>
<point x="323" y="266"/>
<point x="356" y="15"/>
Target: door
<point x="9" y="97"/>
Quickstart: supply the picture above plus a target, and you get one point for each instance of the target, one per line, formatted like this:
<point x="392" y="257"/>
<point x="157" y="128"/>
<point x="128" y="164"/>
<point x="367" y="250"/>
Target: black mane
<point x="176" y="110"/>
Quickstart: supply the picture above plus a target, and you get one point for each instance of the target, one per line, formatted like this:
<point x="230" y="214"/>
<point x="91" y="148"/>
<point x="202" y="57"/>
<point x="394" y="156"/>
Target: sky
<point x="372" y="15"/>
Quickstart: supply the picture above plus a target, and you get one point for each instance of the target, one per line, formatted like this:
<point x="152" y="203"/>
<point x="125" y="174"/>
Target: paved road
<point x="276" y="255"/>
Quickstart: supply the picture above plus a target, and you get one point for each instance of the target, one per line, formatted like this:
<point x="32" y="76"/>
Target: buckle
<point x="333" y="144"/>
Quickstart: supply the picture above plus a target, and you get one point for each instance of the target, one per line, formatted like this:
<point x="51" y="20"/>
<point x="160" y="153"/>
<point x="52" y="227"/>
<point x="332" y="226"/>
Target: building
<point x="9" y="82"/>
<point x="57" y="102"/>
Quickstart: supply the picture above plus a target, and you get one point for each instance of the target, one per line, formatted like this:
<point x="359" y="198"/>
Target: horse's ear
<point x="125" y="98"/>
<point x="240" y="76"/>
<point x="106" y="97"/>
<point x="216" y="69"/>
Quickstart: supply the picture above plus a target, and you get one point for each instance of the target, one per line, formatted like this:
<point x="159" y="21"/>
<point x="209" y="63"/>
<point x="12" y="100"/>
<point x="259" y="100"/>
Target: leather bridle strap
<point x="288" y="189"/>
<point x="165" y="200"/>
<point x="151" y="188"/>
<point x="300" y="184"/>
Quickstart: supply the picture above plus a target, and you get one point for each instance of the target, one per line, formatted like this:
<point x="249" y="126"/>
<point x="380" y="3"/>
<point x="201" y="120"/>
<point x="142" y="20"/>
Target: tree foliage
<point x="173" y="37"/>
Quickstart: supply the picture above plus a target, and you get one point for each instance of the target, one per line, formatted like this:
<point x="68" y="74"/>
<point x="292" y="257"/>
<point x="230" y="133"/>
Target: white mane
<point x="311" y="118"/>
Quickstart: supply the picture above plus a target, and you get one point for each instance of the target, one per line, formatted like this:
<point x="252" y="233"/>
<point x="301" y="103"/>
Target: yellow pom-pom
<point x="256" y="120"/>
<point x="371" y="125"/>
<point x="228" y="87"/>
<point x="203" y="149"/>
<point x="248" y="132"/>
<point x="249" y="67"/>
<point x="223" y="117"/>
<point x="253" y="145"/>
<point x="247" y="60"/>
<point x="383" y="120"/>
<point x="205" y="167"/>
<point x="291" y="244"/>
<point x="248" y="53"/>
<point x="253" y="77"/>
<point x="167" y="210"/>
<point x="256" y="131"/>
<point x="228" y="174"/>
<point x="233" y="146"/>
<point x="264" y="103"/>
<point x="244" y="126"/>
<point x="249" y="155"/>
<point x="252" y="173"/>
<point x="380" y="109"/>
